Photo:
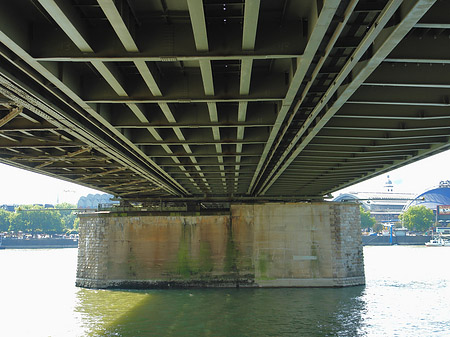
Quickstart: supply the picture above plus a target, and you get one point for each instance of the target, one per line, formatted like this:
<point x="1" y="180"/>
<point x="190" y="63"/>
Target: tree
<point x="367" y="221"/>
<point x="34" y="218"/>
<point x="4" y="220"/>
<point x="68" y="216"/>
<point x="418" y="218"/>
<point x="17" y="222"/>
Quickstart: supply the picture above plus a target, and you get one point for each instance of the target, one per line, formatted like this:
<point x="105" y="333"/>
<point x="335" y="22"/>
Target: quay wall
<point x="13" y="243"/>
<point x="252" y="245"/>
<point x="407" y="240"/>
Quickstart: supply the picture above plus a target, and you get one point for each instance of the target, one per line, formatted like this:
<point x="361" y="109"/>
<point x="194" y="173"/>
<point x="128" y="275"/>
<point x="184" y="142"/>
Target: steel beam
<point x="13" y="113"/>
<point x="195" y="101"/>
<point x="384" y="42"/>
<point x="115" y="18"/>
<point x="66" y="18"/>
<point x="319" y="21"/>
<point x="62" y="19"/>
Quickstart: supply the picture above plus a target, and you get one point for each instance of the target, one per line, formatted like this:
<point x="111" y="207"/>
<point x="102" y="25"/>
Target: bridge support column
<point x="252" y="245"/>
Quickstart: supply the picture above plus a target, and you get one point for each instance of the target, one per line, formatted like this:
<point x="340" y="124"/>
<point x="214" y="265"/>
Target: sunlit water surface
<point x="407" y="294"/>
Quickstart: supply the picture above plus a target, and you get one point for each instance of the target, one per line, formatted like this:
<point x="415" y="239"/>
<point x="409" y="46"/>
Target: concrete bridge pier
<point x="250" y="245"/>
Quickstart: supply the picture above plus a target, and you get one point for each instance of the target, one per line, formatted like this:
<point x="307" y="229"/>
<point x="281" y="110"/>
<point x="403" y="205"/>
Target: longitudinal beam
<point x="411" y="12"/>
<point x="318" y="67"/>
<point x="66" y="18"/>
<point x="249" y="30"/>
<point x="118" y="23"/>
<point x="319" y="23"/>
<point x="201" y="99"/>
<point x="70" y="24"/>
<point x="198" y="22"/>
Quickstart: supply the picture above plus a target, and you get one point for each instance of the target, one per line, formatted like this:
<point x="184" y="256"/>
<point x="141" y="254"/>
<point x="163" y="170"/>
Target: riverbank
<point x="15" y="243"/>
<point x="413" y="240"/>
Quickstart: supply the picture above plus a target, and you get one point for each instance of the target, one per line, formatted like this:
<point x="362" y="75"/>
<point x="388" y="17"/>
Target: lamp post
<point x="390" y="232"/>
<point x="437" y="212"/>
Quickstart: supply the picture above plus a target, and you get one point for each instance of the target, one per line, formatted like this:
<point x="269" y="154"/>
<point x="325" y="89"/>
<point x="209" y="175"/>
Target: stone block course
<point x="255" y="245"/>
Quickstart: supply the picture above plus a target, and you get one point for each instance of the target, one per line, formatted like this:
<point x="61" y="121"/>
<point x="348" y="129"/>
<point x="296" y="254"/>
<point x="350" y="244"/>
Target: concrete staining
<point x="257" y="245"/>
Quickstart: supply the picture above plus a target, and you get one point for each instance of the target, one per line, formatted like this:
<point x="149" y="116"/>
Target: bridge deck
<point x="230" y="99"/>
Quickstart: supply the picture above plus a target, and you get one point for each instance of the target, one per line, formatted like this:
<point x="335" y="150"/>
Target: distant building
<point x="384" y="206"/>
<point x="12" y="208"/>
<point x="436" y="199"/>
<point x="388" y="205"/>
<point x="45" y="205"/>
<point x="9" y="208"/>
<point x="92" y="201"/>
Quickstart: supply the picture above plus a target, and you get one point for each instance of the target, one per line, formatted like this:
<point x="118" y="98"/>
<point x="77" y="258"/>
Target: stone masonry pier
<point x="251" y="245"/>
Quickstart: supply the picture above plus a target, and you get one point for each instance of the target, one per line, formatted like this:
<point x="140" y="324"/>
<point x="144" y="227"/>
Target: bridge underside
<point x="229" y="100"/>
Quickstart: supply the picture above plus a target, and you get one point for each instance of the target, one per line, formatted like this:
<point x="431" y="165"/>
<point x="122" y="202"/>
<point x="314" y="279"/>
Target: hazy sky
<point x="414" y="178"/>
<point x="23" y="187"/>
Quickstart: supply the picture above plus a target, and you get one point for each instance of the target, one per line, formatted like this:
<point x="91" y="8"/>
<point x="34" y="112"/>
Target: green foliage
<point x="33" y="218"/>
<point x="68" y="216"/>
<point x="76" y="223"/>
<point x="4" y="220"/>
<point x="418" y="218"/>
<point x="37" y="219"/>
<point x="367" y="221"/>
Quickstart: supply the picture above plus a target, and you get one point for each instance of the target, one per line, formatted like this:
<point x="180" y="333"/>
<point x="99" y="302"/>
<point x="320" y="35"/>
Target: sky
<point x="413" y="178"/>
<point x="22" y="187"/>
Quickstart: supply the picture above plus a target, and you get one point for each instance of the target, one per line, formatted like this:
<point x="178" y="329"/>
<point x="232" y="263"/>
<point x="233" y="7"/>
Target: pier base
<point x="251" y="245"/>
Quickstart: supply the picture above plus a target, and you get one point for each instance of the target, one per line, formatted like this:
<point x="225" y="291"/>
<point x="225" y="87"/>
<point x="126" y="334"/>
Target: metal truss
<point x="230" y="100"/>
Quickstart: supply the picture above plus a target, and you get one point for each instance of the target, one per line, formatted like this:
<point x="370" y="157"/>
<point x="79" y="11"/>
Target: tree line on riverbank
<point x="35" y="219"/>
<point x="416" y="218"/>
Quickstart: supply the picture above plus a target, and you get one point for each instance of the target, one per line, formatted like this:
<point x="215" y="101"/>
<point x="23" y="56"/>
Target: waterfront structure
<point x="92" y="201"/>
<point x="385" y="206"/>
<point x="433" y="197"/>
<point x="437" y="199"/>
<point x="169" y="103"/>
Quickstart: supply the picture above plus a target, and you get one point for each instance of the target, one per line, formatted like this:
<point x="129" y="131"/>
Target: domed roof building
<point x="92" y="201"/>
<point x="388" y="185"/>
<point x="433" y="197"/>
<point x="385" y="206"/>
<point x="437" y="199"/>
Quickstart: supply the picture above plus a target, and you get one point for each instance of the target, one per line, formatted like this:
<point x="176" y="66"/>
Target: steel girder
<point x="242" y="100"/>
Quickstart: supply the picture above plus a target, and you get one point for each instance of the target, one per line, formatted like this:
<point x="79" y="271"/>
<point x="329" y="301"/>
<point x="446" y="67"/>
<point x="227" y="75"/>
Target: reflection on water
<point x="224" y="312"/>
<point x="101" y="309"/>
<point x="407" y="294"/>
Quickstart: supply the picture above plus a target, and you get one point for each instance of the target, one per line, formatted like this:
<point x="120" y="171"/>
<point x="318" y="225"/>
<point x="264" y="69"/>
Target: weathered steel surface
<point x="227" y="100"/>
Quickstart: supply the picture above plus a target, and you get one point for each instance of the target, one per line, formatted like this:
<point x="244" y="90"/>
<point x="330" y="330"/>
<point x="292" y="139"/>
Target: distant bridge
<point x="222" y="100"/>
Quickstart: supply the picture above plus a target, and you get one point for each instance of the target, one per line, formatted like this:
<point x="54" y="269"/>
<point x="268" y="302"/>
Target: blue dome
<point x="432" y="198"/>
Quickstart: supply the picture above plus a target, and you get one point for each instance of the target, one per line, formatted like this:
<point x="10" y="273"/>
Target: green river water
<point x="407" y="294"/>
